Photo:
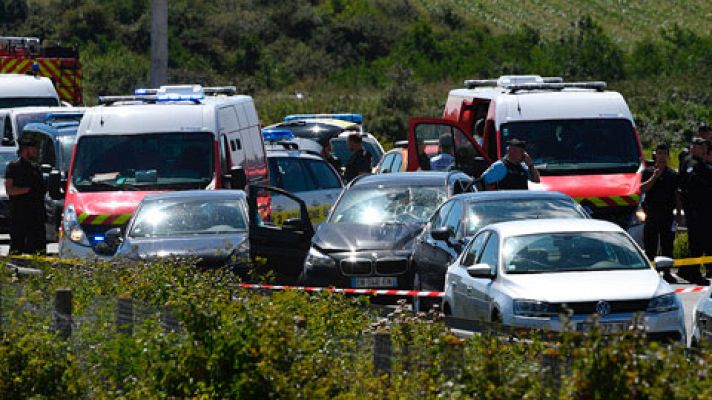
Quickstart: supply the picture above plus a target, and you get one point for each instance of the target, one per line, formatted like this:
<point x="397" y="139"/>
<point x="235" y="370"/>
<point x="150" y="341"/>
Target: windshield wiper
<point x="123" y="186"/>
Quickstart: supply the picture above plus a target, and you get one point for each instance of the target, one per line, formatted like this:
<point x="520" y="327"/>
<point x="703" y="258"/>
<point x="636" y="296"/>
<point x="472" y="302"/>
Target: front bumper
<point x="663" y="326"/>
<point x="350" y="269"/>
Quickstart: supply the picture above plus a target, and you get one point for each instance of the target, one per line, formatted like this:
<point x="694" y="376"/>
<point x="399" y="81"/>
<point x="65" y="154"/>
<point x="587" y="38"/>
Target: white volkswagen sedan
<point x="530" y="273"/>
<point x="702" y="320"/>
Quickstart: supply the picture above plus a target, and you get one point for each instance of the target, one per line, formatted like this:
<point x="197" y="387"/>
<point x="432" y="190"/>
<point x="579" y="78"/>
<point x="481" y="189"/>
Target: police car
<point x="296" y="166"/>
<point x="340" y="147"/>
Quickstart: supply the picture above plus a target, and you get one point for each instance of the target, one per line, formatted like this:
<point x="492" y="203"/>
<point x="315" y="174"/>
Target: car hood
<point x="211" y="249"/>
<point x="586" y="286"/>
<point x="358" y="237"/>
<point x="106" y="208"/>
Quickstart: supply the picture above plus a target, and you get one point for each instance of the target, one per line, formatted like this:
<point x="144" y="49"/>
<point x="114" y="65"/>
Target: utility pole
<point x="159" y="43"/>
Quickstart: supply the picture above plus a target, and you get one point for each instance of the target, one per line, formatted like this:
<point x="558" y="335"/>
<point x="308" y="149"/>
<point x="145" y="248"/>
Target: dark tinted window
<point x="12" y="102"/>
<point x="341" y="150"/>
<point x="387" y="161"/>
<point x="290" y="174"/>
<point x="66" y="146"/>
<point x="475" y="249"/>
<point x="582" y="146"/>
<point x="323" y="174"/>
<point x="455" y="216"/>
<point x="397" y="162"/>
<point x="484" y="213"/>
<point x="490" y="254"/>
<point x="440" y="217"/>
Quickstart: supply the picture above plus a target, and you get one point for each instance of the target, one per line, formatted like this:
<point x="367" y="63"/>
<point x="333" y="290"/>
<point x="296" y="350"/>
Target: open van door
<point x="284" y="246"/>
<point x="432" y="134"/>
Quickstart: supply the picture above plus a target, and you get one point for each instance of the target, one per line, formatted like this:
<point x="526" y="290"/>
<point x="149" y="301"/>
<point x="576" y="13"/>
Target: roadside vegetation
<point x="228" y="342"/>
<point x="390" y="59"/>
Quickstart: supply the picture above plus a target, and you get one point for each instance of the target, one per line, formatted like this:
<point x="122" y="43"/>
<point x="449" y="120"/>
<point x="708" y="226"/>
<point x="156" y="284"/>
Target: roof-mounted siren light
<point x="217" y="90"/>
<point x="552" y="79"/>
<point x="474" y="83"/>
<point x="109" y="100"/>
<point x="598" y="86"/>
<point x="508" y="80"/>
<point x="355" y="118"/>
<point x="180" y="93"/>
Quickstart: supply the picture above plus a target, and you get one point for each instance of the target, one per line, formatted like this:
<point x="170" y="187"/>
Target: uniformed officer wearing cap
<point x="360" y="161"/>
<point x="660" y="185"/>
<point x="26" y="187"/>
<point x="513" y="171"/>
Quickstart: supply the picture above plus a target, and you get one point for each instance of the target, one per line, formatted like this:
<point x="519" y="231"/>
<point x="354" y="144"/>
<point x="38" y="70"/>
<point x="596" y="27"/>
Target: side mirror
<point x="663" y="263"/>
<point x="54" y="184"/>
<point x="238" y="178"/>
<point x="442" y="233"/>
<point x="480" y="271"/>
<point x="293" y="224"/>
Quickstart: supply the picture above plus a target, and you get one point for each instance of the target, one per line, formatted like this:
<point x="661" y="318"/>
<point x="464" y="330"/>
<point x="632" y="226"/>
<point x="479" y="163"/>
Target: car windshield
<point x="166" y="161"/>
<point x="581" y="146"/>
<point x="382" y="205"/>
<point x="5" y="158"/>
<point x="14" y="102"/>
<point x="24" y="119"/>
<point x="571" y="252"/>
<point x="483" y="213"/>
<point x="189" y="217"/>
<point x="340" y="148"/>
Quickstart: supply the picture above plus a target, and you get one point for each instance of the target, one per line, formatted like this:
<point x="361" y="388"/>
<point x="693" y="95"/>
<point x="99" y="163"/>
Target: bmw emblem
<point x="603" y="308"/>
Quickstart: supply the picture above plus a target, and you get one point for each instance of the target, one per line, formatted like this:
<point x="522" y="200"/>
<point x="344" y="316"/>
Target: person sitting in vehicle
<point x="513" y="171"/>
<point x="423" y="159"/>
<point x="444" y="159"/>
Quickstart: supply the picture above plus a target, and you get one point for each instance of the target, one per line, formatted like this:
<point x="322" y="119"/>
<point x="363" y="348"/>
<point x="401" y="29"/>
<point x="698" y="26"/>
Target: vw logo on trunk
<point x="603" y="308"/>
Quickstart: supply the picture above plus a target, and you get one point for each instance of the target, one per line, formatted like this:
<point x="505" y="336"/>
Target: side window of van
<point x="227" y="120"/>
<point x="8" y="138"/>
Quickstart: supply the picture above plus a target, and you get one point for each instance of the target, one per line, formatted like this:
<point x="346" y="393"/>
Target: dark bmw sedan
<point x="368" y="238"/>
<point x="457" y="220"/>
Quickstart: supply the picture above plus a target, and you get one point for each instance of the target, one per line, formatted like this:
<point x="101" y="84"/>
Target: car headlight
<point x="534" y="308"/>
<point x="73" y="228"/>
<point x="317" y="259"/>
<point x="638" y="217"/>
<point x="664" y="303"/>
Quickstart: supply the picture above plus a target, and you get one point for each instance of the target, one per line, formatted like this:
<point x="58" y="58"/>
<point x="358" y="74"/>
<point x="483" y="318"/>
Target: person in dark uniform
<point x="329" y="156"/>
<point x="660" y="185"/>
<point x="513" y="171"/>
<point x="423" y="158"/>
<point x="26" y="187"/>
<point x="697" y="189"/>
<point x="360" y="161"/>
<point x="704" y="132"/>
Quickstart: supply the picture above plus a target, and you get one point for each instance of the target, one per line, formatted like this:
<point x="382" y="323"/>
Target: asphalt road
<point x="688" y="299"/>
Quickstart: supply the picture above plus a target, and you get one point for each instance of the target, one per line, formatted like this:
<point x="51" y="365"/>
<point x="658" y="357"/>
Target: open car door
<point x="428" y="137"/>
<point x="284" y="243"/>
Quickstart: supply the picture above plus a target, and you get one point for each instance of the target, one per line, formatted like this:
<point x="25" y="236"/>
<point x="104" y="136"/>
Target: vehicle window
<point x="164" y="161"/>
<point x="290" y="174"/>
<point x="8" y="139"/>
<point x="388" y="205"/>
<point x="571" y="251"/>
<point x="340" y="148"/>
<point x="322" y="173"/>
<point x="22" y="120"/>
<point x="45" y="151"/>
<point x="475" y="249"/>
<point x="66" y="146"/>
<point x="228" y="120"/>
<point x="578" y="146"/>
<point x="224" y="148"/>
<point x="483" y="213"/>
<point x="468" y="158"/>
<point x="454" y="218"/>
<point x="435" y="136"/>
<point x="440" y="217"/>
<point x="13" y="102"/>
<point x="397" y="162"/>
<point x="5" y="158"/>
<point x="386" y="164"/>
<point x="490" y="254"/>
<point x="189" y="217"/>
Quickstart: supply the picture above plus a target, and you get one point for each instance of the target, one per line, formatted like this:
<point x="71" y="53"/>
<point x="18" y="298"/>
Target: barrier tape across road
<point x="381" y="292"/>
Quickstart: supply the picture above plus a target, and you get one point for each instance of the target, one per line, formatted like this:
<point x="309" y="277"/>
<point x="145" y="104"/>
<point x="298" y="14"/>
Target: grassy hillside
<point x="625" y="21"/>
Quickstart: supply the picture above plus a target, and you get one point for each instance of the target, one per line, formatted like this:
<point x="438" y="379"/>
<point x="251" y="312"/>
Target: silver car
<point x="529" y="273"/>
<point x="702" y="320"/>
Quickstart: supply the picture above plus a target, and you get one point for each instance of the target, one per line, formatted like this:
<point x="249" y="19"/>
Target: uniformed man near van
<point x="360" y="161"/>
<point x="660" y="185"/>
<point x="26" y="187"/>
<point x="704" y="133"/>
<point x="326" y="152"/>
<point x="513" y="171"/>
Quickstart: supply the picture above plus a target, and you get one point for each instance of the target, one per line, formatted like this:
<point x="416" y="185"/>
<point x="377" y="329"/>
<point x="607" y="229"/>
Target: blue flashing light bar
<point x="99" y="239"/>
<point x="55" y="116"/>
<point x="180" y="97"/>
<point x="276" y="135"/>
<point x="355" y="118"/>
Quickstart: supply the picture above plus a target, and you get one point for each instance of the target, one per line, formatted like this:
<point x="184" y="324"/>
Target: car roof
<point x="536" y="226"/>
<point x="197" y="195"/>
<point x="20" y="85"/>
<point x="513" y="195"/>
<point x="283" y="153"/>
<point x="423" y="178"/>
<point x="54" y="129"/>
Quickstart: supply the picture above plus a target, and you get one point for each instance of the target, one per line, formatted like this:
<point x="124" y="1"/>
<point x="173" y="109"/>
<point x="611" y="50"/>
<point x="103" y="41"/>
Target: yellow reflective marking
<point x="99" y="219"/>
<point x="619" y="200"/>
<point x="598" y="202"/>
<point x="82" y="217"/>
<point x="122" y="219"/>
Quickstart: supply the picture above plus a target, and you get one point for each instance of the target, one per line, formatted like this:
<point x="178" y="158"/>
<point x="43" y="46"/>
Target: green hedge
<point x="235" y="343"/>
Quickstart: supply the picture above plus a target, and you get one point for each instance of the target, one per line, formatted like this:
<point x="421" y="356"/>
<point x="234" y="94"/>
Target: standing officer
<point x="329" y="156"/>
<point x="26" y="187"/>
<point x="697" y="189"/>
<point x="360" y="161"/>
<point x="513" y="171"/>
<point x="660" y="185"/>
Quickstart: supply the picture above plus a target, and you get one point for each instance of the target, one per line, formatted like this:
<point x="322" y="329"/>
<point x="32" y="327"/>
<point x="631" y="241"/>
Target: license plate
<point x="372" y="282"/>
<point x="606" y="328"/>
